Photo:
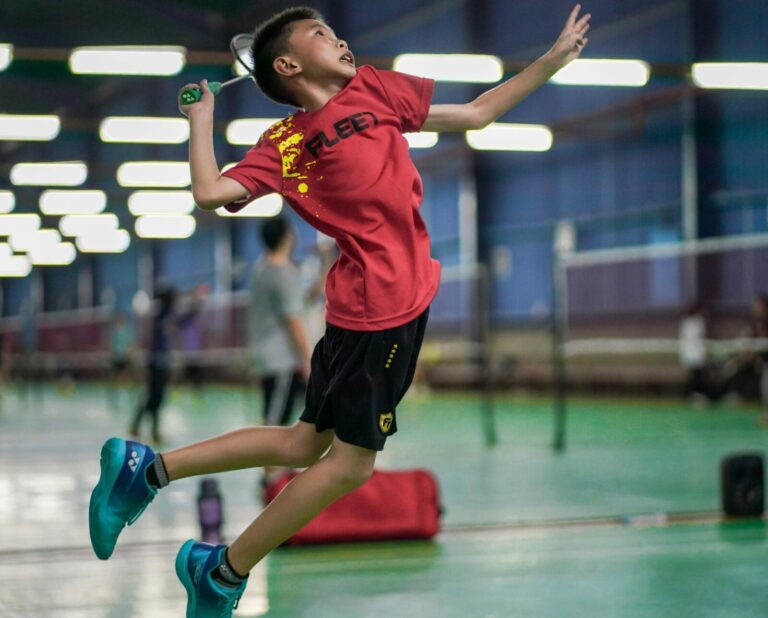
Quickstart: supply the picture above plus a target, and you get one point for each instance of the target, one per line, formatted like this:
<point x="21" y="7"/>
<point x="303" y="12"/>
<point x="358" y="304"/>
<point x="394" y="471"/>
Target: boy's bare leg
<point x="342" y="470"/>
<point x="299" y="445"/>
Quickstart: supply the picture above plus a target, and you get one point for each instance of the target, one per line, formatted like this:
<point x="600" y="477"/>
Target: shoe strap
<point x="228" y="606"/>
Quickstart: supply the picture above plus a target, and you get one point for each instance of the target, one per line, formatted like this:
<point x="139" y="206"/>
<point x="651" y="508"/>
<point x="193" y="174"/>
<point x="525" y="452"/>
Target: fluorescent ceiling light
<point x="29" y="128"/>
<point x="5" y="250"/>
<point x="128" y="60"/>
<point x="228" y="166"/>
<point x="154" y="174"/>
<point x="178" y="226"/>
<point x="595" y="72"/>
<point x="425" y="139"/>
<point x="88" y="225"/>
<point x="16" y="223"/>
<point x="731" y="75"/>
<point x="7" y="202"/>
<point x="473" y="68"/>
<point x="15" y="266"/>
<point x="31" y="239"/>
<point x="116" y="241"/>
<point x="72" y="202"/>
<point x="502" y="136"/>
<point x="267" y="206"/>
<point x="144" y="130"/>
<point x="247" y="131"/>
<point x="65" y="174"/>
<point x="59" y="254"/>
<point x="6" y="55"/>
<point x="161" y="203"/>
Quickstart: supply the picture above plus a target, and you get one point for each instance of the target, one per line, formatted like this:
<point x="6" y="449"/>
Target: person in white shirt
<point x="693" y="353"/>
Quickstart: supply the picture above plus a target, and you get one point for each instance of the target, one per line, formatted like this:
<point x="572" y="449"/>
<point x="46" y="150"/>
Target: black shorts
<point x="359" y="377"/>
<point x="280" y="390"/>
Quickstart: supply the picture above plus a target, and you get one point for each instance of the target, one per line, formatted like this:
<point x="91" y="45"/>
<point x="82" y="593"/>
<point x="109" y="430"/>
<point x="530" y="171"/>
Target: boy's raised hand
<point x="572" y="39"/>
<point x="204" y="104"/>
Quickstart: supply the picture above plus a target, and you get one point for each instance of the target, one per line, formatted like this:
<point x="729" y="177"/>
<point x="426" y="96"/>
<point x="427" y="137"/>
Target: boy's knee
<point x="349" y="474"/>
<point x="302" y="449"/>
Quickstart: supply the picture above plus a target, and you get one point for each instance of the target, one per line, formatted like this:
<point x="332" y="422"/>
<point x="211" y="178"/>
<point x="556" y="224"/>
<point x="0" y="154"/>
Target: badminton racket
<point x="240" y="46"/>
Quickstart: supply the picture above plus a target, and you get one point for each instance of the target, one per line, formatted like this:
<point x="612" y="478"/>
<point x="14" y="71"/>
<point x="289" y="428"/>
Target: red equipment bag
<point x="390" y="506"/>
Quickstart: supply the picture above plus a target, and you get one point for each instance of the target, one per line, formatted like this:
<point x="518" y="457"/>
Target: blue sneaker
<point x="121" y="494"/>
<point x="205" y="598"/>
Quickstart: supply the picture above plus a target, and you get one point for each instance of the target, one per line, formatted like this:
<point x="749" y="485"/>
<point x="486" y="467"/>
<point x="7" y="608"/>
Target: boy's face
<point x="318" y="53"/>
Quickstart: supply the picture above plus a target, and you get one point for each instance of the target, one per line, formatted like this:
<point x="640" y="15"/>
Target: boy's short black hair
<point x="273" y="231"/>
<point x="270" y="40"/>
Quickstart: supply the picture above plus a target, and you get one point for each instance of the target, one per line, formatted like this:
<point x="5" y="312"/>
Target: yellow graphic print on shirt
<point x="288" y="141"/>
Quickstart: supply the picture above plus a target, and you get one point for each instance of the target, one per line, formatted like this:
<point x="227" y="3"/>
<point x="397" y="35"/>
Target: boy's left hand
<point x="572" y="39"/>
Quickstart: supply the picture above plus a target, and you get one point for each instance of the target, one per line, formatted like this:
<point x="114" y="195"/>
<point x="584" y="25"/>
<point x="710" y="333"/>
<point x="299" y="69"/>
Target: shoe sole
<point x="183" y="574"/>
<point x="112" y="451"/>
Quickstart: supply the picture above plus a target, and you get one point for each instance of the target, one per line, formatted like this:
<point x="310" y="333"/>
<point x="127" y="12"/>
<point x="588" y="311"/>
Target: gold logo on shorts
<point x="385" y="421"/>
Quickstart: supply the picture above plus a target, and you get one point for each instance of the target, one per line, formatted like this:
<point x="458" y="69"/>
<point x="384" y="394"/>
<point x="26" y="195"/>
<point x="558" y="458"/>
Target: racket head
<point x="240" y="46"/>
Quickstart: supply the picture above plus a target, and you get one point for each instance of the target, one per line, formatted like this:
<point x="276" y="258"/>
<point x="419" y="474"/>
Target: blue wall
<point x="620" y="181"/>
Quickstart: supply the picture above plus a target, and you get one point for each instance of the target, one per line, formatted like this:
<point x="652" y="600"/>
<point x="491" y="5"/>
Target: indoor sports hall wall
<point x="616" y="168"/>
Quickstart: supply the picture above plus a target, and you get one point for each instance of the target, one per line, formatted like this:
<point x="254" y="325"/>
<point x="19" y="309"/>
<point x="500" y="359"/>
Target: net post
<point x="564" y="244"/>
<point x="486" y="359"/>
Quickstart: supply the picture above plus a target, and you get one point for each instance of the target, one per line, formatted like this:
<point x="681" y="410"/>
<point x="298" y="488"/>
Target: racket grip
<point x="193" y="95"/>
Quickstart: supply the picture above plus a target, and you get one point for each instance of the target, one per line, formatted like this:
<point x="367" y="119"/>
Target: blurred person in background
<point x="190" y="331"/>
<point x="122" y="338"/>
<point x="314" y="273"/>
<point x="158" y="362"/>
<point x="693" y="354"/>
<point x="277" y="337"/>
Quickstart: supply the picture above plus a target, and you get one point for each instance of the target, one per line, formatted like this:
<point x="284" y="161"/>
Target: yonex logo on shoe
<point x="133" y="462"/>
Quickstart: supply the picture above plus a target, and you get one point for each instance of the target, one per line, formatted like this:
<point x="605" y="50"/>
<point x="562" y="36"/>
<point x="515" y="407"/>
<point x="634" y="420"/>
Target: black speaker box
<point x="743" y="481"/>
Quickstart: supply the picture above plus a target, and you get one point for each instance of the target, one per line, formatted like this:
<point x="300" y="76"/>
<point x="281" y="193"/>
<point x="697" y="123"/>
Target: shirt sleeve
<point x="288" y="292"/>
<point x="260" y="172"/>
<point x="409" y="97"/>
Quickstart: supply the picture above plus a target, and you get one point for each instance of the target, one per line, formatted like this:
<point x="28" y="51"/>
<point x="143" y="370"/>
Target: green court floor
<point x="687" y="570"/>
<point x="527" y="532"/>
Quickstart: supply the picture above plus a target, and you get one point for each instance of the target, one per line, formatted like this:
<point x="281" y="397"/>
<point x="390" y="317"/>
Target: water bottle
<point x="210" y="511"/>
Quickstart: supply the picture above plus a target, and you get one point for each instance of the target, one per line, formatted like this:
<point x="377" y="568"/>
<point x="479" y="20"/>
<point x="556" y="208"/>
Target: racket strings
<point x="240" y="46"/>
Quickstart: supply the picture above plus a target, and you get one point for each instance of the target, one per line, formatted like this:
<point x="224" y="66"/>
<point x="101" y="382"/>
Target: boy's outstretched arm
<point x="494" y="103"/>
<point x="209" y="188"/>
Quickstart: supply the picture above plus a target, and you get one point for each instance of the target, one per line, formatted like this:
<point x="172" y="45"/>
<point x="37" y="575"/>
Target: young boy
<point x="344" y="166"/>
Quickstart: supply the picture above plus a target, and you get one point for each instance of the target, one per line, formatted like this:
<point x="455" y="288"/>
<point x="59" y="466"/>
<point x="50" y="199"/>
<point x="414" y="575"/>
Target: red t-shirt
<point x="347" y="171"/>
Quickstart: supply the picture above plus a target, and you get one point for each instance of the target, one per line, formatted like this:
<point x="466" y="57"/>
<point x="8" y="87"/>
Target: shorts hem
<point x="377" y="445"/>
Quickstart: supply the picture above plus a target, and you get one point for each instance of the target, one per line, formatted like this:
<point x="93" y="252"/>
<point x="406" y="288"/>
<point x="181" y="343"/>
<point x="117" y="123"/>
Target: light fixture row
<point x="165" y="60"/>
<point x="29" y="245"/>
<point x="176" y="174"/>
<point x="153" y="130"/>
<point x="24" y="229"/>
<point x="84" y="203"/>
<point x="91" y="234"/>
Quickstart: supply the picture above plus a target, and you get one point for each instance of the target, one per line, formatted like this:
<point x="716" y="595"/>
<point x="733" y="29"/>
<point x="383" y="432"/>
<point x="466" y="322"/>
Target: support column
<point x="690" y="168"/>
